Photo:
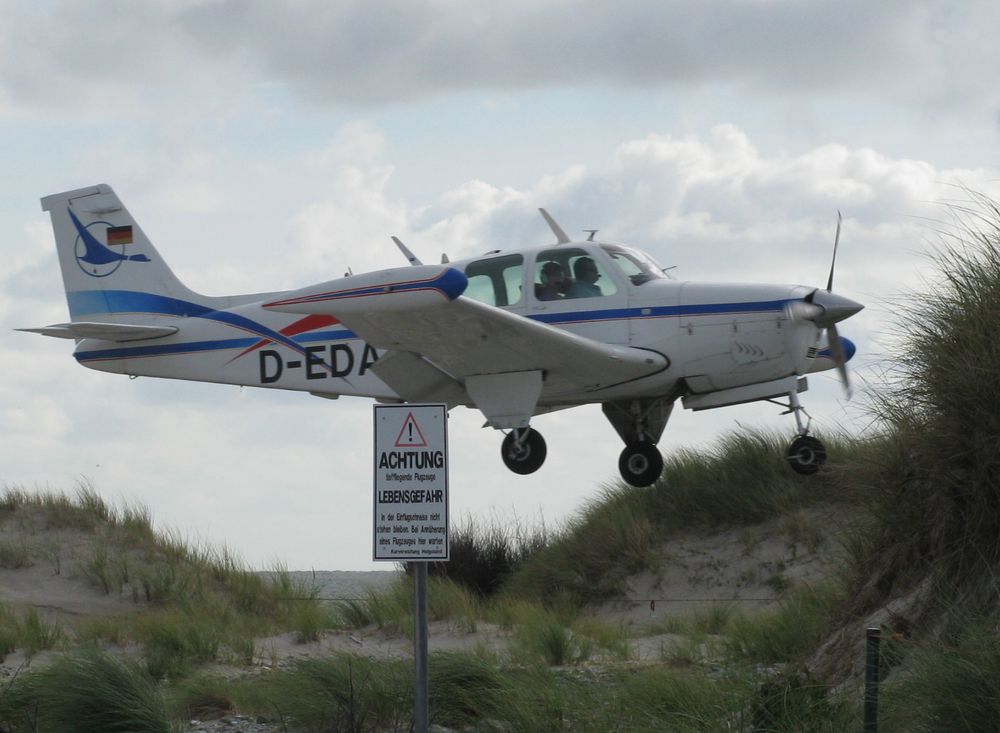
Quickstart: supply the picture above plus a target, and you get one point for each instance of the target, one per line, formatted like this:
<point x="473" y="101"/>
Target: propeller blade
<point x="837" y="352"/>
<point x="836" y="241"/>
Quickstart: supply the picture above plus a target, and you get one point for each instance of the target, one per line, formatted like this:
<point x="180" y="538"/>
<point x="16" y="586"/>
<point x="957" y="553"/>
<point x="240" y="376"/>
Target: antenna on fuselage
<point x="556" y="229"/>
<point x="411" y="258"/>
<point x="592" y="232"/>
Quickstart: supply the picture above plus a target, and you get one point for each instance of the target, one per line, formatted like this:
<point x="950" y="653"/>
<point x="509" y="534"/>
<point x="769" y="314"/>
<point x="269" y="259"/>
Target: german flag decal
<point x="120" y="235"/>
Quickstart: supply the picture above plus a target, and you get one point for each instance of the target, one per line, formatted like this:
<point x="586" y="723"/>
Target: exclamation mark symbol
<point x="409" y="428"/>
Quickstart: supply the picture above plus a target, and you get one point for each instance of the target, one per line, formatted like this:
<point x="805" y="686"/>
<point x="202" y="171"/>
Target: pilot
<point x="553" y="282"/>
<point x="586" y="274"/>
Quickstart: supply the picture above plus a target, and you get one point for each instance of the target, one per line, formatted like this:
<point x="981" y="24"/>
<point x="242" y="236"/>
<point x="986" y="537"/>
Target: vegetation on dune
<point x="198" y="604"/>
<point x="742" y="481"/>
<point x="937" y="488"/>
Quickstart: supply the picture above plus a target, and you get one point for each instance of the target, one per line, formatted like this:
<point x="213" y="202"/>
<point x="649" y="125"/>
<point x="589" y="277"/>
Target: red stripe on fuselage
<point x="309" y="323"/>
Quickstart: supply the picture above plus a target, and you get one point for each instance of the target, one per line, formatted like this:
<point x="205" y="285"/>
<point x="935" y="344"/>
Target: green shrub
<point x="483" y="556"/>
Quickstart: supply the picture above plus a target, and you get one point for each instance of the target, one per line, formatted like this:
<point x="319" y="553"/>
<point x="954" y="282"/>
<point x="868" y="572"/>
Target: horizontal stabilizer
<point x="104" y="331"/>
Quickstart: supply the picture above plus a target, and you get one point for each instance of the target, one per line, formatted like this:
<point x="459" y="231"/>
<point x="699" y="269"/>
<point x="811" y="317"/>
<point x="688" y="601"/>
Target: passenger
<point x="553" y="282"/>
<point x="586" y="279"/>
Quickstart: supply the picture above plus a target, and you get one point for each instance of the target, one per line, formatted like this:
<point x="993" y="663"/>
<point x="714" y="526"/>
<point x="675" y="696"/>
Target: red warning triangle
<point x="410" y="435"/>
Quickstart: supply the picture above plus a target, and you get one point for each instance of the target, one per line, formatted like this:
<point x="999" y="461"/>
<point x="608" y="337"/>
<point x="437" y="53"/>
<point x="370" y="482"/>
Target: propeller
<point x="825" y="308"/>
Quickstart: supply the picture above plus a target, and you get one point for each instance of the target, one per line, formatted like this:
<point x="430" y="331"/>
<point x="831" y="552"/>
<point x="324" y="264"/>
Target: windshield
<point x="638" y="266"/>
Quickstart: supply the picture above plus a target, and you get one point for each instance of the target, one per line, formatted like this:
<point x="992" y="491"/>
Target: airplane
<point x="514" y="333"/>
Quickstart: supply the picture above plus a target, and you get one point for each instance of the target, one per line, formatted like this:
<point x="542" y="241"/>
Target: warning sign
<point x="410" y="435"/>
<point x="411" y="483"/>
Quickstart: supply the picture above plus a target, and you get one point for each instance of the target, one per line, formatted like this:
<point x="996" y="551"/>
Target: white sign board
<point x="411" y="482"/>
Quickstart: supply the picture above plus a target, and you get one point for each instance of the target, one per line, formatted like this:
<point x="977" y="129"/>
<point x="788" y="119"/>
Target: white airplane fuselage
<point x="715" y="335"/>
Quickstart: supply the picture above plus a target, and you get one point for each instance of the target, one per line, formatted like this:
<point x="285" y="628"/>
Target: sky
<point x="265" y="146"/>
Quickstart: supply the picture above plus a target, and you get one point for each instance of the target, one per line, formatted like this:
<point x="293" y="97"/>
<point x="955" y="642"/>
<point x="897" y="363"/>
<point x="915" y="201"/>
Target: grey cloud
<point x="401" y="50"/>
<point x="376" y="53"/>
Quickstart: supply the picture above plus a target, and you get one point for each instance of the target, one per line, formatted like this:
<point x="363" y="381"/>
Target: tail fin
<point x="108" y="264"/>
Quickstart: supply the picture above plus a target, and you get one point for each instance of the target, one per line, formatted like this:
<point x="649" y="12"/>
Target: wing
<point x="465" y="338"/>
<point x="449" y="348"/>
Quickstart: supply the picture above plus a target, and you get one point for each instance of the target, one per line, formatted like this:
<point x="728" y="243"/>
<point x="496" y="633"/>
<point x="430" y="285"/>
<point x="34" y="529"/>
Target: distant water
<point x="344" y="583"/>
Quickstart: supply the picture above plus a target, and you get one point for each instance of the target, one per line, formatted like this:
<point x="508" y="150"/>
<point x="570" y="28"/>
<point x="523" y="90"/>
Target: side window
<point x="569" y="272"/>
<point x="496" y="281"/>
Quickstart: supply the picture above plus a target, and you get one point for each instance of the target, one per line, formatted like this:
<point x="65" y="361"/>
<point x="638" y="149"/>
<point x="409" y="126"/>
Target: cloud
<point x="104" y="58"/>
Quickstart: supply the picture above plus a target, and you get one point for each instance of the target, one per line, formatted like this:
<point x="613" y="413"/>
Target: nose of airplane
<point x="835" y="307"/>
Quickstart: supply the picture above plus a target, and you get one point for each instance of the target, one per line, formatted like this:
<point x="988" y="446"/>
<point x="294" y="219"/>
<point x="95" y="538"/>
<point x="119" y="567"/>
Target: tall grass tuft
<point x="936" y="490"/>
<point x="89" y="692"/>
<point x="465" y="688"/>
<point x="343" y="693"/>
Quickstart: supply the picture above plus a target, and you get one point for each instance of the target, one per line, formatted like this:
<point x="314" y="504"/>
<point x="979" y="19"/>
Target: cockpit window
<point x="496" y="281"/>
<point x="638" y="267"/>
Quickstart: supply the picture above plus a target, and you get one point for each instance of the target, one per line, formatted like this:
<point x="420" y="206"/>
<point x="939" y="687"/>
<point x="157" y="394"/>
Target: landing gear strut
<point x="806" y="454"/>
<point x="523" y="450"/>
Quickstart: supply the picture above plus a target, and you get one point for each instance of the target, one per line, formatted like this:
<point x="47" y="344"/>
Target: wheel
<point x="640" y="464"/>
<point x="806" y="454"/>
<point x="527" y="457"/>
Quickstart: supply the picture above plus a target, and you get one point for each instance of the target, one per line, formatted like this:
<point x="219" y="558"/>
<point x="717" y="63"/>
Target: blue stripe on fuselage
<point x="124" y="301"/>
<point x="664" y="311"/>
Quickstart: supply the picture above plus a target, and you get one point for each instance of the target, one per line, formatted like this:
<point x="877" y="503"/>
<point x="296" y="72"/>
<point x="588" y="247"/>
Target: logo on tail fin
<point x="96" y="258"/>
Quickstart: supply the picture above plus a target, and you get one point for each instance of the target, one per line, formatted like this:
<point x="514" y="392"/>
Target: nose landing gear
<point x="806" y="454"/>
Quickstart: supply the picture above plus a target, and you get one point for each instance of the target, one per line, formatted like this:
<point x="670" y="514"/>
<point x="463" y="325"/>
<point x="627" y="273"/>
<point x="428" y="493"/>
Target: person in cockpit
<point x="553" y="282"/>
<point x="585" y="286"/>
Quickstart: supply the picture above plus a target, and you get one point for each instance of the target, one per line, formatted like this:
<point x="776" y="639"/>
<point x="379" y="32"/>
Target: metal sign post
<point x="410" y="518"/>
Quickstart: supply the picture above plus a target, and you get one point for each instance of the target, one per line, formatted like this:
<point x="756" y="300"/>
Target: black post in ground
<point x="872" y="637"/>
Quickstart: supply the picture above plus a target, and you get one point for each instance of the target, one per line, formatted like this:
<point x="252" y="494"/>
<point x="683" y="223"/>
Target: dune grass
<point x="86" y="692"/>
<point x="197" y="604"/>
<point x="949" y="684"/>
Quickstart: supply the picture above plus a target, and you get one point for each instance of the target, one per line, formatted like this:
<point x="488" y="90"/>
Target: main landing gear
<point x="640" y="463"/>
<point x="806" y="454"/>
<point x="640" y="424"/>
<point x="523" y="450"/>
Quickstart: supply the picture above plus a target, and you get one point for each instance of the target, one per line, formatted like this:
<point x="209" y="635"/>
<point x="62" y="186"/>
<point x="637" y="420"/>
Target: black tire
<point x="640" y="464"/>
<point x="805" y="455"/>
<point x="526" y="458"/>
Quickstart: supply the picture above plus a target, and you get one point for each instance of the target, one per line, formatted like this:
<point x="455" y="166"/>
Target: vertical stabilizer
<point x="108" y="264"/>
